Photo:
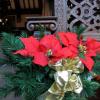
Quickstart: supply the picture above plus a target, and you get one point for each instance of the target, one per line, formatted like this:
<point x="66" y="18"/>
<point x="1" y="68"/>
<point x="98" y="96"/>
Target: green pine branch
<point x="79" y="29"/>
<point x="96" y="68"/>
<point x="11" y="42"/>
<point x="25" y="84"/>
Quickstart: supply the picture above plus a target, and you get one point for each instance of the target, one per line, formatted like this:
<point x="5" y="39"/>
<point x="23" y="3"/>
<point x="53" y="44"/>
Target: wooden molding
<point x="50" y="22"/>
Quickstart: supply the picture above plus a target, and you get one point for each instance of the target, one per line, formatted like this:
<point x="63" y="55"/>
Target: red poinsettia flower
<point x="93" y="44"/>
<point x="89" y="49"/>
<point x="68" y="38"/>
<point x="70" y="41"/>
<point x="50" y="50"/>
<point x="30" y="46"/>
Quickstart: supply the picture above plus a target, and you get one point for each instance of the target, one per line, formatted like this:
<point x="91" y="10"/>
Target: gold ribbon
<point x="66" y="79"/>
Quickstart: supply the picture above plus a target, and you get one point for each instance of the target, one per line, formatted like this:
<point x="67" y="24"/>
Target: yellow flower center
<point x="82" y="48"/>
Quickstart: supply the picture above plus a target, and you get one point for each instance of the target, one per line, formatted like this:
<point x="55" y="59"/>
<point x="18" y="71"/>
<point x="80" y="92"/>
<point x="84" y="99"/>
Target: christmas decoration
<point x="55" y="67"/>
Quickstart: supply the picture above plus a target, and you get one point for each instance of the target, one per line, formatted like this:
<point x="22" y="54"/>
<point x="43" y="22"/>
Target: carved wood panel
<point x="49" y="22"/>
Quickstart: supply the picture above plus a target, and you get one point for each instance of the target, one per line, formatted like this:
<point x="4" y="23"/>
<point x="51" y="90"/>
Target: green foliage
<point x="73" y="96"/>
<point x="81" y="55"/>
<point x="11" y="43"/>
<point x="89" y="88"/>
<point x="42" y="29"/>
<point x="24" y="84"/>
<point x="79" y="29"/>
<point x="24" y="34"/>
<point x="96" y="67"/>
<point x="89" y="85"/>
<point x="30" y="80"/>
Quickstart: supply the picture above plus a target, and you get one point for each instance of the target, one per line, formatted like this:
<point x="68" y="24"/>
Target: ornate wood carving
<point x="50" y="22"/>
<point x="58" y="24"/>
<point x="86" y="12"/>
<point x="70" y="13"/>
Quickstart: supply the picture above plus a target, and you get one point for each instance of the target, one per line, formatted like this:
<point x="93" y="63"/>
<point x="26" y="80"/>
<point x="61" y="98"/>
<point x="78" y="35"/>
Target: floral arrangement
<point x="54" y="67"/>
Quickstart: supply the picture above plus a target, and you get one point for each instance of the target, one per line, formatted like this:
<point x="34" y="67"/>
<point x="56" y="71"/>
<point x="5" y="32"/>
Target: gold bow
<point x="66" y="79"/>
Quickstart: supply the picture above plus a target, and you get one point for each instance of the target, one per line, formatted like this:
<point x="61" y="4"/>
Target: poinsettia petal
<point x="31" y="44"/>
<point x="93" y="44"/>
<point x="49" y="41"/>
<point x="98" y="50"/>
<point x="40" y="59"/>
<point x="88" y="62"/>
<point x="68" y="38"/>
<point x="45" y="41"/>
<point x="63" y="38"/>
<point x="90" y="43"/>
<point x="56" y="50"/>
<point x="66" y="52"/>
<point x="74" y="51"/>
<point x="22" y="52"/>
<point x="55" y="44"/>
<point x="91" y="53"/>
<point x="72" y="38"/>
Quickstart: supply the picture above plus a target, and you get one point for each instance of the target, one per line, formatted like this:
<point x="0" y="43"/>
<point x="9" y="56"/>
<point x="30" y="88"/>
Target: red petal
<point x="50" y="41"/>
<point x="88" y="61"/>
<point x="72" y="38"/>
<point x="56" y="50"/>
<point x="68" y="38"/>
<point x="91" y="53"/>
<point x="98" y="50"/>
<point x="66" y="52"/>
<point x="22" y="52"/>
<point x="93" y="44"/>
<point x="63" y="38"/>
<point x="40" y="59"/>
<point x="31" y="46"/>
<point x="74" y="51"/>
